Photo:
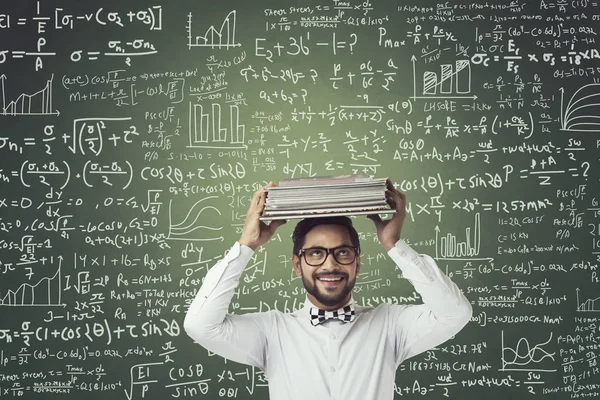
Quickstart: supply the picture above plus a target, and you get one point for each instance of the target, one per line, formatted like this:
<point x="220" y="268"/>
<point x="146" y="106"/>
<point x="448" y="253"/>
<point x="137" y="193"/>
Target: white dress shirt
<point x="334" y="360"/>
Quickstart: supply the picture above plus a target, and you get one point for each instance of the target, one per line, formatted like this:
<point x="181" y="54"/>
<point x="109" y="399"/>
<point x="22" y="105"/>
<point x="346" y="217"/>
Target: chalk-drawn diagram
<point x="525" y="357"/>
<point x="449" y="81"/>
<point x="589" y="305"/>
<point x="46" y="291"/>
<point x="582" y="112"/>
<point x="224" y="37"/>
<point x="206" y="129"/>
<point x="450" y="247"/>
<point x="198" y="224"/>
<point x="38" y="103"/>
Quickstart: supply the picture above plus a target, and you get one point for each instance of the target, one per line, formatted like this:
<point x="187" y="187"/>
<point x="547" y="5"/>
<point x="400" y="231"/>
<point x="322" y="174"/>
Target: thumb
<point x="376" y="219"/>
<point x="273" y="225"/>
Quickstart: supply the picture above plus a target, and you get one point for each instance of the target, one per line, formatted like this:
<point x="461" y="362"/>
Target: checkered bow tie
<point x="346" y="314"/>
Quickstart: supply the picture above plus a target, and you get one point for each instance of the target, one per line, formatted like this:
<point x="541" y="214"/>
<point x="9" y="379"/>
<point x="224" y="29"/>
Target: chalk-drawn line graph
<point x="524" y="357"/>
<point x="38" y="103"/>
<point x="589" y="305"/>
<point x="192" y="226"/>
<point x="46" y="291"/>
<point x="224" y="37"/>
<point x="582" y="111"/>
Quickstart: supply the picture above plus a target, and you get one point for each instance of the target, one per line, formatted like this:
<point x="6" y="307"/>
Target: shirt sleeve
<point x="444" y="312"/>
<point x="240" y="338"/>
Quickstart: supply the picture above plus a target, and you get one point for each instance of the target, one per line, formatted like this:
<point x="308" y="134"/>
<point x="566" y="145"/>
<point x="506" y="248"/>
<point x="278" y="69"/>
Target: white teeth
<point x="331" y="279"/>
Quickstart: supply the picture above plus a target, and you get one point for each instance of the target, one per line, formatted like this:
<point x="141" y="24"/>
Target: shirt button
<point x="333" y="336"/>
<point x="332" y="369"/>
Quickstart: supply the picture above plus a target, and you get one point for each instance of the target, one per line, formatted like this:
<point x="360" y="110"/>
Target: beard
<point x="325" y="297"/>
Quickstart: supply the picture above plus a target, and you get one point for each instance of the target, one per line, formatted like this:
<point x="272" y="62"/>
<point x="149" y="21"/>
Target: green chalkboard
<point x="133" y="134"/>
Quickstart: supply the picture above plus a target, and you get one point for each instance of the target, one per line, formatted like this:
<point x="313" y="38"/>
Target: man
<point x="354" y="354"/>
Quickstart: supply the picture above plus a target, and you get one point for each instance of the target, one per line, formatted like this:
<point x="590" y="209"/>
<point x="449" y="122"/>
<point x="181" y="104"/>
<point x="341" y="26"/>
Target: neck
<point x="341" y="304"/>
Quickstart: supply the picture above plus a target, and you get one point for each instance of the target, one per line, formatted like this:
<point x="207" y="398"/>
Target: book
<point x="324" y="180"/>
<point x="346" y="213"/>
<point x="326" y="195"/>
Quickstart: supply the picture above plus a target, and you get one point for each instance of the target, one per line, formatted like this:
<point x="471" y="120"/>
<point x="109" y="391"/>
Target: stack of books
<point x="325" y="196"/>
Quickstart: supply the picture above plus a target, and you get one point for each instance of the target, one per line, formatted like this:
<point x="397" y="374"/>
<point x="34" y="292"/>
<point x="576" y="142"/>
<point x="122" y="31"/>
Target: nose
<point x="330" y="261"/>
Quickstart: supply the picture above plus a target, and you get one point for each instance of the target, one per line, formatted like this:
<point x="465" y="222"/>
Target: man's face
<point x="327" y="295"/>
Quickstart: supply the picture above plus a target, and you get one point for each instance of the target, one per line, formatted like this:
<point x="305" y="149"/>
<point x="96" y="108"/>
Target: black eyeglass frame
<point x="331" y="251"/>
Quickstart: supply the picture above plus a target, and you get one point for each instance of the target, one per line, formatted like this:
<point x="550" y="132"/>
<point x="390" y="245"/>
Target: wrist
<point x="246" y="243"/>
<point x="388" y="245"/>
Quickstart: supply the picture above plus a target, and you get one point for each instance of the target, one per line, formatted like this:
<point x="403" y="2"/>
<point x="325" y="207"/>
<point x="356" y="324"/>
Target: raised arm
<point x="445" y="310"/>
<point x="241" y="338"/>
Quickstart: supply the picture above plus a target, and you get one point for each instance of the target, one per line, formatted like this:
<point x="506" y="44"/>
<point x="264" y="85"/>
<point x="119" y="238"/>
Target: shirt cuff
<point x="409" y="262"/>
<point x="231" y="266"/>
<point x="238" y="250"/>
<point x="245" y="251"/>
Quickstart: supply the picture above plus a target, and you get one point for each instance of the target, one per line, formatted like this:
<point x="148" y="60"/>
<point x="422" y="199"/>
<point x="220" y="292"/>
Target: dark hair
<point x="304" y="226"/>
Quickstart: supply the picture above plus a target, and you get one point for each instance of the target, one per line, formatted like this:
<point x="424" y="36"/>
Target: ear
<point x="296" y="264"/>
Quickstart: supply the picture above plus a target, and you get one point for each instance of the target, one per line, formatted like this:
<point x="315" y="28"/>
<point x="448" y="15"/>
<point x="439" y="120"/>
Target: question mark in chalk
<point x="353" y="43"/>
<point x="304" y="93"/>
<point x="313" y="75"/>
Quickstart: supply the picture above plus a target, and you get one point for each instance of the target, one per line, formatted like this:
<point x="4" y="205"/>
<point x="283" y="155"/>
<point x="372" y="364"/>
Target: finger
<point x="393" y="190"/>
<point x="265" y="189"/>
<point x="262" y="193"/>
<point x="390" y="186"/>
<point x="402" y="200"/>
<point x="388" y="183"/>
<point x="397" y="195"/>
<point x="396" y="191"/>
<point x="256" y="203"/>
<point x="256" y="198"/>
<point x="389" y="200"/>
<point x="393" y="198"/>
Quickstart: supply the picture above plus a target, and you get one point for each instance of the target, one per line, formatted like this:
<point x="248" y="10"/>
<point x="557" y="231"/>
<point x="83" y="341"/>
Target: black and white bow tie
<point x="346" y="314"/>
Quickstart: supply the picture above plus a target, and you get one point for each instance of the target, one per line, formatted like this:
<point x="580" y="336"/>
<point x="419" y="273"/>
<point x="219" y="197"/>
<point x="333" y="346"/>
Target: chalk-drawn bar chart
<point x="221" y="38"/>
<point x="38" y="103"/>
<point x="451" y="78"/>
<point x="460" y="247"/>
<point x="207" y="129"/>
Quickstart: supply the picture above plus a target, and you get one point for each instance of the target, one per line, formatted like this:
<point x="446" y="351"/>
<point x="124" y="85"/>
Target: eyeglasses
<point x="316" y="256"/>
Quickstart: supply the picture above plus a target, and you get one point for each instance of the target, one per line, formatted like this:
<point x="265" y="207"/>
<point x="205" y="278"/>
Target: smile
<point x="330" y="281"/>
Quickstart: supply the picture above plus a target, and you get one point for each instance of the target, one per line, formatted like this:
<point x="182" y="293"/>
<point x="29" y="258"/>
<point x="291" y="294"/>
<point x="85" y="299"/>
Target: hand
<point x="388" y="231"/>
<point x="255" y="232"/>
